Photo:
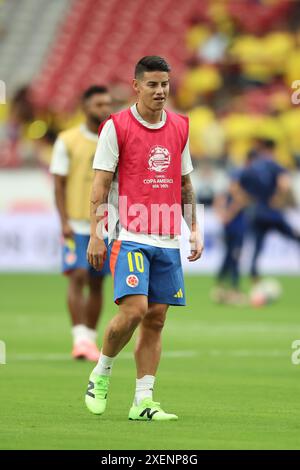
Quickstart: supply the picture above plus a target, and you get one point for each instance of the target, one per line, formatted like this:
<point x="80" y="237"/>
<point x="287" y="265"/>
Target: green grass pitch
<point x="226" y="372"/>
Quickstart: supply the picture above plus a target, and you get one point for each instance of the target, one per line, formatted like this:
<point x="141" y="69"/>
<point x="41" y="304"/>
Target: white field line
<point x="66" y="357"/>
<point x="204" y="328"/>
<point x="49" y="357"/>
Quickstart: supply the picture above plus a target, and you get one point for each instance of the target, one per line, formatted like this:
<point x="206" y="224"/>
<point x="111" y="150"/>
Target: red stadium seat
<point x="101" y="41"/>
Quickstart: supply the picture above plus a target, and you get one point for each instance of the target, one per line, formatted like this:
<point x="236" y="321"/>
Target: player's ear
<point x="135" y="85"/>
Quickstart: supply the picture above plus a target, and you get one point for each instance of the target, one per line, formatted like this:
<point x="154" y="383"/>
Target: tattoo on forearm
<point x="95" y="203"/>
<point x="188" y="201"/>
<point x="99" y="194"/>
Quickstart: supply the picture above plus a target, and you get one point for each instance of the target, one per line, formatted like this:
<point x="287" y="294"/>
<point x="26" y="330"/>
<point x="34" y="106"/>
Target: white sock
<point x="79" y="333"/>
<point x="144" y="388"/>
<point x="92" y="334"/>
<point x="104" y="365"/>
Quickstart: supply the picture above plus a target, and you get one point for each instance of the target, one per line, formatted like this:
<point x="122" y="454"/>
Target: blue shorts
<point x="74" y="256"/>
<point x="147" y="270"/>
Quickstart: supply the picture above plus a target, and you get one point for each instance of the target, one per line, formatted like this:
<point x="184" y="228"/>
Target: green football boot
<point x="96" y="394"/>
<point x="149" y="410"/>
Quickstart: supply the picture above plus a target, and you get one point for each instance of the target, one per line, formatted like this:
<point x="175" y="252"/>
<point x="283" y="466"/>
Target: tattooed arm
<point x="96" y="252"/>
<point x="188" y="203"/>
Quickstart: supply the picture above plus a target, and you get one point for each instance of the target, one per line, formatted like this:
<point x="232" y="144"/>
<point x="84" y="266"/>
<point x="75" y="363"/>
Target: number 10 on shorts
<point x="137" y="259"/>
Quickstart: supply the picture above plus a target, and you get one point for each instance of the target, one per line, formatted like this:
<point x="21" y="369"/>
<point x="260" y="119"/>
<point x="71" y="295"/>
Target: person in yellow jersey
<point x="71" y="165"/>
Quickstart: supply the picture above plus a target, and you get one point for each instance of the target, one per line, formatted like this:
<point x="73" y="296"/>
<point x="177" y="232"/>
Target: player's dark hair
<point x="94" y="90"/>
<point x="268" y="144"/>
<point x="151" y="63"/>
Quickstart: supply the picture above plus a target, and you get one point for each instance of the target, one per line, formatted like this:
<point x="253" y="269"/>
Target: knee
<point x="155" y="318"/>
<point x="78" y="278"/>
<point x="155" y="324"/>
<point x="95" y="285"/>
<point x="134" y="318"/>
<point x="134" y="312"/>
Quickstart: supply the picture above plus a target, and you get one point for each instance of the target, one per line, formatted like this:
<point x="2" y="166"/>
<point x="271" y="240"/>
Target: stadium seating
<point x="61" y="47"/>
<point x="26" y="28"/>
<point x="101" y="41"/>
<point x="263" y="14"/>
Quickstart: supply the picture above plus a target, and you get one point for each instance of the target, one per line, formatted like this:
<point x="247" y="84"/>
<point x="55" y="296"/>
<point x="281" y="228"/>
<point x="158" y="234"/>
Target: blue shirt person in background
<point x="267" y="185"/>
<point x="234" y="229"/>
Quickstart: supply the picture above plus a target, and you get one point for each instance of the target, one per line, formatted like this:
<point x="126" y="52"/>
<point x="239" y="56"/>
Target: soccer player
<point x="144" y="151"/>
<point x="234" y="234"/>
<point x="266" y="186"/>
<point x="71" y="165"/>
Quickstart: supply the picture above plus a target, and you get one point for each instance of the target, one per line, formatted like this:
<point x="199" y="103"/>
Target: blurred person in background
<point x="268" y="185"/>
<point x="234" y="230"/>
<point x="71" y="166"/>
<point x="20" y="114"/>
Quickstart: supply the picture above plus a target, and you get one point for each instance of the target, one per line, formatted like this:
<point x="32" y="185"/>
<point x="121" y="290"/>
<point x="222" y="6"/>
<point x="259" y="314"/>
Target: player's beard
<point x="96" y="119"/>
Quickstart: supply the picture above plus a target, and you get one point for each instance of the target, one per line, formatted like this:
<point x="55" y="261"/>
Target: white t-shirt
<point x="107" y="158"/>
<point x="60" y="164"/>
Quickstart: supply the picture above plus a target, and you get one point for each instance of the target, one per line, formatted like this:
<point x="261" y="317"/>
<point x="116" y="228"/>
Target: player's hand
<point x="96" y="253"/>
<point x="67" y="230"/>
<point x="196" y="245"/>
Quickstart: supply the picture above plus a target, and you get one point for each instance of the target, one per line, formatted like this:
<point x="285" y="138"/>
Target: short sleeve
<point x="186" y="160"/>
<point x="107" y="152"/>
<point x="60" y="161"/>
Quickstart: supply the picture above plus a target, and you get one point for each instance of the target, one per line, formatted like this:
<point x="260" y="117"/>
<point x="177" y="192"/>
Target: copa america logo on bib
<point x="159" y="159"/>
